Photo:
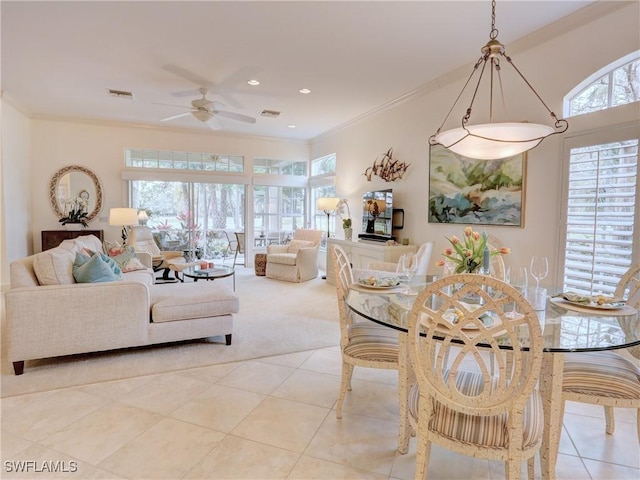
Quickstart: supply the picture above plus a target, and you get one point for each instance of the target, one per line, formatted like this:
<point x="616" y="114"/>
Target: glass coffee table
<point x="220" y="271"/>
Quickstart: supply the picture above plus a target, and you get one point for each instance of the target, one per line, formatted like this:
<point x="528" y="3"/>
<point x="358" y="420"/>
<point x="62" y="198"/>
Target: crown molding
<point x="582" y="17"/>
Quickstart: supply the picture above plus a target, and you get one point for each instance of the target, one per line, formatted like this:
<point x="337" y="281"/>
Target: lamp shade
<point x="327" y="203"/>
<point x="123" y="216"/>
<point x="493" y="140"/>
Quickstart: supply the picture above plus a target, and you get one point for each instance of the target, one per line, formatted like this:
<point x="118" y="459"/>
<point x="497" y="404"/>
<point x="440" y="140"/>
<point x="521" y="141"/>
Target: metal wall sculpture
<point x="388" y="168"/>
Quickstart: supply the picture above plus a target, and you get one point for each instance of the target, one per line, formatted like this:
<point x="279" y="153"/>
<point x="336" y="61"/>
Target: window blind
<point x="600" y="216"/>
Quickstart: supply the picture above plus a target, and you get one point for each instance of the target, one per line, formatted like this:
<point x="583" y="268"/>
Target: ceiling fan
<point x="204" y="110"/>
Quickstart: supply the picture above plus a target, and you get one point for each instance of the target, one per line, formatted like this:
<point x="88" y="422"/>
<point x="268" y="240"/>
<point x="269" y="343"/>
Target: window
<point x="279" y="167"/>
<point x="322" y="183"/>
<point x="277" y="212"/>
<point x="323" y="165"/>
<point x="207" y="162"/>
<point x="600" y="236"/>
<point x="187" y="216"/>
<point x="616" y="84"/>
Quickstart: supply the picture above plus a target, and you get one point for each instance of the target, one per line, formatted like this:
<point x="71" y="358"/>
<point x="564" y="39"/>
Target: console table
<point x="53" y="238"/>
<point x="361" y="253"/>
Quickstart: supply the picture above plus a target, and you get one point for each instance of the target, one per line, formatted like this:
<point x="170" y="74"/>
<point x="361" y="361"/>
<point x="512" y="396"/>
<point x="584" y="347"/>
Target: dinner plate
<point x="595" y="306"/>
<point x="377" y="287"/>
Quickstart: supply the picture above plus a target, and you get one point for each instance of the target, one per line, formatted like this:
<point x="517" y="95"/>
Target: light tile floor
<point x="262" y="419"/>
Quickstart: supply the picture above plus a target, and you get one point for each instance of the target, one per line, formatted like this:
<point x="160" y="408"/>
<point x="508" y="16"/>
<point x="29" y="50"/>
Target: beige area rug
<point x="275" y="318"/>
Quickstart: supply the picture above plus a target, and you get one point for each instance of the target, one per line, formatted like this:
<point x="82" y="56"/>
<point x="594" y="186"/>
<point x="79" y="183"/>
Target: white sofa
<point x="61" y="317"/>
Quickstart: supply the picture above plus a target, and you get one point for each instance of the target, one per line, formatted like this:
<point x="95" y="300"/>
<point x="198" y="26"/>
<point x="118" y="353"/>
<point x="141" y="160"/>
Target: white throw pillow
<point x="55" y="266"/>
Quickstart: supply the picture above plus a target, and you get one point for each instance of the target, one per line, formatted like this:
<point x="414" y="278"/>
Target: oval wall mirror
<point x="72" y="182"/>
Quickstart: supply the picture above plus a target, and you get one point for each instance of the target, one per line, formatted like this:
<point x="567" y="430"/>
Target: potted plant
<point x="346" y="218"/>
<point x="75" y="214"/>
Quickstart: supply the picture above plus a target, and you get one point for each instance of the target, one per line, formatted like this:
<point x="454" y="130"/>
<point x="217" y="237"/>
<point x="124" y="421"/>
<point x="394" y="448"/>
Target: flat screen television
<point x="377" y="215"/>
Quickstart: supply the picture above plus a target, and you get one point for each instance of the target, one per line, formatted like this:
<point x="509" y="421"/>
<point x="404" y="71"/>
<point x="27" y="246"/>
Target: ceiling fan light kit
<point x="494" y="140"/>
<point x="204" y="110"/>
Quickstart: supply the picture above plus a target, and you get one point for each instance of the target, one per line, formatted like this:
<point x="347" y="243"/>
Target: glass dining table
<point x="566" y="328"/>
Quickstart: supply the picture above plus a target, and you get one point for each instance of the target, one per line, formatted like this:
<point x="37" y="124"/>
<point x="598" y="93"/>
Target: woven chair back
<point x="456" y="325"/>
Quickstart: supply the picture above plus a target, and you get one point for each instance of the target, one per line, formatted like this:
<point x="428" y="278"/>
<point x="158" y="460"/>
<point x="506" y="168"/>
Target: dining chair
<point x="460" y="404"/>
<point x="362" y="342"/>
<point x="607" y="378"/>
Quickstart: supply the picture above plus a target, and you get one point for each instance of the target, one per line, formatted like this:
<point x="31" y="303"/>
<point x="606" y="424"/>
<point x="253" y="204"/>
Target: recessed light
<point x="292" y="126"/>
<point x="253" y="83"/>
<point x="304" y="90"/>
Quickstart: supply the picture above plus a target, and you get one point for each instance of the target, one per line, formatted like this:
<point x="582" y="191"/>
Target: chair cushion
<point x="295" y="245"/>
<point x="185" y="301"/>
<point x="602" y="374"/>
<point x="282" y="258"/>
<point x="368" y="341"/>
<point x="489" y="431"/>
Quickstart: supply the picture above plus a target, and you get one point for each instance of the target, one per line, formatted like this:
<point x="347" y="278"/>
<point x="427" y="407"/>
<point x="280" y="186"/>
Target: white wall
<point x="101" y="147"/>
<point x="554" y="65"/>
<point x="15" y="175"/>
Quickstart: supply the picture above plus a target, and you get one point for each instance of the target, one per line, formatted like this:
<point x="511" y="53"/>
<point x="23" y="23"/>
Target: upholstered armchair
<point x="298" y="260"/>
<point x="141" y="238"/>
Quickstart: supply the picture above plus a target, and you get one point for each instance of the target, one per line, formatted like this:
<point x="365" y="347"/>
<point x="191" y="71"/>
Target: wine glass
<point x="409" y="265"/>
<point x="539" y="269"/>
<point x="519" y="280"/>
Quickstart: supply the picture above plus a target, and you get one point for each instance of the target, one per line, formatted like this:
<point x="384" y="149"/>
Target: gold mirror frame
<point x="53" y="190"/>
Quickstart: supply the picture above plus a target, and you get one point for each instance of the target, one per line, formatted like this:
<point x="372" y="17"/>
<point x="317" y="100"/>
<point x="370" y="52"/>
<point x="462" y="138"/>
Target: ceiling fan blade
<point x="235" y="116"/>
<point x="175" y="106"/>
<point x="173" y="117"/>
<point x="188" y="75"/>
<point x="214" y="124"/>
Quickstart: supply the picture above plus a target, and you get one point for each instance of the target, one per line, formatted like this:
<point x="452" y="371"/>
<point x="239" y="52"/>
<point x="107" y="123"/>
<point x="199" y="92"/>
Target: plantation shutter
<point x="602" y="191"/>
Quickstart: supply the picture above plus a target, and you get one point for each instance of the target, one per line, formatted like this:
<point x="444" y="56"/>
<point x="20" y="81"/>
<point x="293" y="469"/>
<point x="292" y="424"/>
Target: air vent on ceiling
<point x="269" y="113"/>
<point x="120" y="94"/>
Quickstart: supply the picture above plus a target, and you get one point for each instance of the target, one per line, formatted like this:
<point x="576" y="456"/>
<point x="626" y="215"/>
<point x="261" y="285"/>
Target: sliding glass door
<point x="199" y="218"/>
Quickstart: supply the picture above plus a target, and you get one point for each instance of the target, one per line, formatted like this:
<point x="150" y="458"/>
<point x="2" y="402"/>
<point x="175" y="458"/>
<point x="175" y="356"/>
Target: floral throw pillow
<point x="125" y="256"/>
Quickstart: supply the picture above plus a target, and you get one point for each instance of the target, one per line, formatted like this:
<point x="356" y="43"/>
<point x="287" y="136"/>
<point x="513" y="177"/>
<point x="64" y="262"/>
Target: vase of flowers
<point x="346" y="218"/>
<point x="75" y="214"/>
<point x="471" y="253"/>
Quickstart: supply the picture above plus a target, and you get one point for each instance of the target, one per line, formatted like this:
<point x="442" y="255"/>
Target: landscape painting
<point x="471" y="191"/>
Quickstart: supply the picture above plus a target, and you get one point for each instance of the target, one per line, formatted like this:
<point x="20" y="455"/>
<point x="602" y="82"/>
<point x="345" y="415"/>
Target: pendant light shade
<point x="494" y="140"/>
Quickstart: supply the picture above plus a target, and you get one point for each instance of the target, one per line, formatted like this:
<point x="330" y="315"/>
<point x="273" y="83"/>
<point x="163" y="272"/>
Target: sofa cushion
<point x="126" y="258"/>
<point x="295" y="245"/>
<point x="99" y="268"/>
<point x="87" y="242"/>
<point x="282" y="258"/>
<point x="55" y="266"/>
<point x="185" y="301"/>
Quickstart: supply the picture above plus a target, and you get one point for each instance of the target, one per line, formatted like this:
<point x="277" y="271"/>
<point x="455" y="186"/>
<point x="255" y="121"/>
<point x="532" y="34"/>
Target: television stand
<point x="375" y="238"/>
<point x="361" y="253"/>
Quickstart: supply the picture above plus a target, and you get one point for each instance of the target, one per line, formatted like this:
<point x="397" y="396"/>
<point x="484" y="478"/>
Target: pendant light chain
<point x="494" y="140"/>
<point x="494" y="31"/>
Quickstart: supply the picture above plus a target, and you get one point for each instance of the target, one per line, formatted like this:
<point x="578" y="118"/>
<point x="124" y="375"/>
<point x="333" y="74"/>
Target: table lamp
<point x="124" y="217"/>
<point x="327" y="205"/>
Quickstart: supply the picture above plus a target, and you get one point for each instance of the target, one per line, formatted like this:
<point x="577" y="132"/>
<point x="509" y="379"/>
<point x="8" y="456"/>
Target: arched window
<point x="616" y="84"/>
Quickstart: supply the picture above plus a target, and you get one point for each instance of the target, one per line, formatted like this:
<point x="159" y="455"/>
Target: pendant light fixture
<point x="494" y="140"/>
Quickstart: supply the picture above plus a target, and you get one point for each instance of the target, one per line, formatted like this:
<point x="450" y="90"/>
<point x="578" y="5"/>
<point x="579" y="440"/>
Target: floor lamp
<point x="327" y="205"/>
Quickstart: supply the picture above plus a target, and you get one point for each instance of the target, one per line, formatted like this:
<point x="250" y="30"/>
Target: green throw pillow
<point x="95" y="269"/>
